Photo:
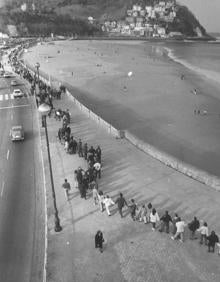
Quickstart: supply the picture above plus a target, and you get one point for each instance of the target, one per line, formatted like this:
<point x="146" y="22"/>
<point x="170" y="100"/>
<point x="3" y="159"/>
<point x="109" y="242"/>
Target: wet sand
<point x="154" y="103"/>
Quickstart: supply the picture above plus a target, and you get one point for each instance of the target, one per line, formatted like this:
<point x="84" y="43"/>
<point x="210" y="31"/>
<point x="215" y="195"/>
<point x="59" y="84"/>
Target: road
<point x="21" y="191"/>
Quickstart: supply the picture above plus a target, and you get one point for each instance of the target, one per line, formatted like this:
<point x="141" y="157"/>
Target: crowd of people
<point x="86" y="180"/>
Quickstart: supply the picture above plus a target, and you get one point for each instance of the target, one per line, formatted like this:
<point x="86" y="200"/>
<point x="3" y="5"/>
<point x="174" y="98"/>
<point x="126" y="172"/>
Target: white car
<point x="17" y="93"/>
<point x="14" y="83"/>
<point x="7" y="74"/>
<point x="17" y="133"/>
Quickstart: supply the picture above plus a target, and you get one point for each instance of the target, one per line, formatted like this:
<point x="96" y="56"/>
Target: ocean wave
<point x="215" y="76"/>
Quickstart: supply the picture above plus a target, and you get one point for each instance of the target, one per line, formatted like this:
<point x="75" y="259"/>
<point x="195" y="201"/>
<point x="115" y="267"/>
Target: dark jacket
<point x="99" y="240"/>
<point x="213" y="239"/>
<point x="121" y="202"/>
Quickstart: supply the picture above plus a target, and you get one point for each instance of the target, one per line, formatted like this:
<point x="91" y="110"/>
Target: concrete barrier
<point x="190" y="171"/>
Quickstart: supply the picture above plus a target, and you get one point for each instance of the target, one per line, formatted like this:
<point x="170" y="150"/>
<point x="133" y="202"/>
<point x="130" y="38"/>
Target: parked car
<point x="7" y="74"/>
<point x="17" y="93"/>
<point x="17" y="133"/>
<point x="14" y="83"/>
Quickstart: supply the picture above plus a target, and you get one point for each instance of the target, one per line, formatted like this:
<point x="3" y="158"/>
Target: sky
<point x="206" y="11"/>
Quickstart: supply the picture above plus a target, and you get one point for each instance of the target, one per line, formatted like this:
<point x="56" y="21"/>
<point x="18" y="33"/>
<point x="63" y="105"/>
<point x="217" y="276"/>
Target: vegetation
<point x="69" y="17"/>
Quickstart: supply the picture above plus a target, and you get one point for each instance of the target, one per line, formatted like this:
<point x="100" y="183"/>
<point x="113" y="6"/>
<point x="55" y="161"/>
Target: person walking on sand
<point x="66" y="187"/>
<point x="154" y="218"/>
<point x="121" y="202"/>
<point x="108" y="202"/>
<point x="99" y="240"/>
<point x="174" y="221"/>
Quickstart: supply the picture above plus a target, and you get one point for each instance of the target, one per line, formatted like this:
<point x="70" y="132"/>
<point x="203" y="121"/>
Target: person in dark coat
<point x="165" y="222"/>
<point x="212" y="240"/>
<point x="121" y="203"/>
<point x="99" y="240"/>
<point x="193" y="226"/>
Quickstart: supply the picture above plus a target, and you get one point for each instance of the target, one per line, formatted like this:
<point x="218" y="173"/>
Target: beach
<point x="152" y="102"/>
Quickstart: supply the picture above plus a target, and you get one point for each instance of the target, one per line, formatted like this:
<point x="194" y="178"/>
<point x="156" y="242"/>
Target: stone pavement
<point x="133" y="252"/>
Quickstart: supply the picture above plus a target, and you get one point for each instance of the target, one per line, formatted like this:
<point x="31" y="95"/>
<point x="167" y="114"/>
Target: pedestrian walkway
<point x="132" y="251"/>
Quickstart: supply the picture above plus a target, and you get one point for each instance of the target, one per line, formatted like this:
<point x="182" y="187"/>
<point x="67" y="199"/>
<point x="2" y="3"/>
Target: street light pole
<point x="44" y="109"/>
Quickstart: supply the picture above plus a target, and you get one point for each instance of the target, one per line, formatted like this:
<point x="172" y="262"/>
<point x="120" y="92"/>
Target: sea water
<point x="200" y="57"/>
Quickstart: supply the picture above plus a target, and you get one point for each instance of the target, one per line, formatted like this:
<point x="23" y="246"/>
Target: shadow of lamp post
<point x="44" y="109"/>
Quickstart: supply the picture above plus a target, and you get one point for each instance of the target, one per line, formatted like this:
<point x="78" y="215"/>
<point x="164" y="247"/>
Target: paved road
<point x="21" y="174"/>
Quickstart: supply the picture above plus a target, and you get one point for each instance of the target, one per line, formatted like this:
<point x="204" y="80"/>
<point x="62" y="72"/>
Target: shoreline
<point x="119" y="112"/>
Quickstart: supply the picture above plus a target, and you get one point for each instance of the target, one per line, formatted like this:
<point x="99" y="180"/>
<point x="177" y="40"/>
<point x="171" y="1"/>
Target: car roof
<point x="17" y="127"/>
<point x="17" y="90"/>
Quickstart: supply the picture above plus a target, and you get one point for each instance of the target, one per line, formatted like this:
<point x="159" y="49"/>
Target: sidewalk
<point x="133" y="252"/>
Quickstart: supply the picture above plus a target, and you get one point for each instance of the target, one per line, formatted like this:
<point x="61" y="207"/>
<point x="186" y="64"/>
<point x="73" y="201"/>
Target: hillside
<point x="68" y="17"/>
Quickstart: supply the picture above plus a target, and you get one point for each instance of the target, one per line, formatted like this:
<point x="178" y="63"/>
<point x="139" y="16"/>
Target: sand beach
<point x="153" y="103"/>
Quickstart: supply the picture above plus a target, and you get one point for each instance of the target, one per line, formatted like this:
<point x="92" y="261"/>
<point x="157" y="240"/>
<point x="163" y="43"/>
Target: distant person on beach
<point x="182" y="77"/>
<point x="121" y="202"/>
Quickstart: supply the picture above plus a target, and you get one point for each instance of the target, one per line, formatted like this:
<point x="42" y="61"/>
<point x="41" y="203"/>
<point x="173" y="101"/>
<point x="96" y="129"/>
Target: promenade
<point x="132" y="252"/>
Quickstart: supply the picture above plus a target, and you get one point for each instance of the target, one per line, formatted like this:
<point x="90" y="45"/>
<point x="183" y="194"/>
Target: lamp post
<point x="37" y="88"/>
<point x="44" y="109"/>
<point x="37" y="66"/>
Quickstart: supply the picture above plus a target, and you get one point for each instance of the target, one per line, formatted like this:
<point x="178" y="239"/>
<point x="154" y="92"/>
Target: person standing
<point x="97" y="168"/>
<point x="99" y="154"/>
<point x="154" y="218"/>
<point x="204" y="233"/>
<point x="66" y="187"/>
<point x="143" y="214"/>
<point x="121" y="202"/>
<point x="165" y="222"/>
<point x="99" y="240"/>
<point x="101" y="199"/>
<point x="80" y="150"/>
<point x="193" y="226"/>
<point x="212" y="240"/>
<point x="95" y="194"/>
<point x="108" y="202"/>
<point x="133" y="208"/>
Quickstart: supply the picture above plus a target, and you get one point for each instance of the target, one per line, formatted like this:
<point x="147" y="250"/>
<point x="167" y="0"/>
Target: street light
<point x="37" y="87"/>
<point x="37" y="66"/>
<point x="44" y="109"/>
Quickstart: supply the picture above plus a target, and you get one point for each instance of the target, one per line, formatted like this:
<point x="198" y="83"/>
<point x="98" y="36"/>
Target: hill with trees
<point x="69" y="17"/>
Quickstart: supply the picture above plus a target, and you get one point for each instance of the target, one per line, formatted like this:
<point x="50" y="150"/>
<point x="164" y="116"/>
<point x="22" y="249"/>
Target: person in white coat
<point x="108" y="202"/>
<point x="154" y="218"/>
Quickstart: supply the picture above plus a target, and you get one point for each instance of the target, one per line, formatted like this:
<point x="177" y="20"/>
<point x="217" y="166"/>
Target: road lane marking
<point x="12" y="96"/>
<point x="6" y="96"/>
<point x="3" y="186"/>
<point x="1" y="97"/>
<point x="8" y="154"/>
<point x="19" y="106"/>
